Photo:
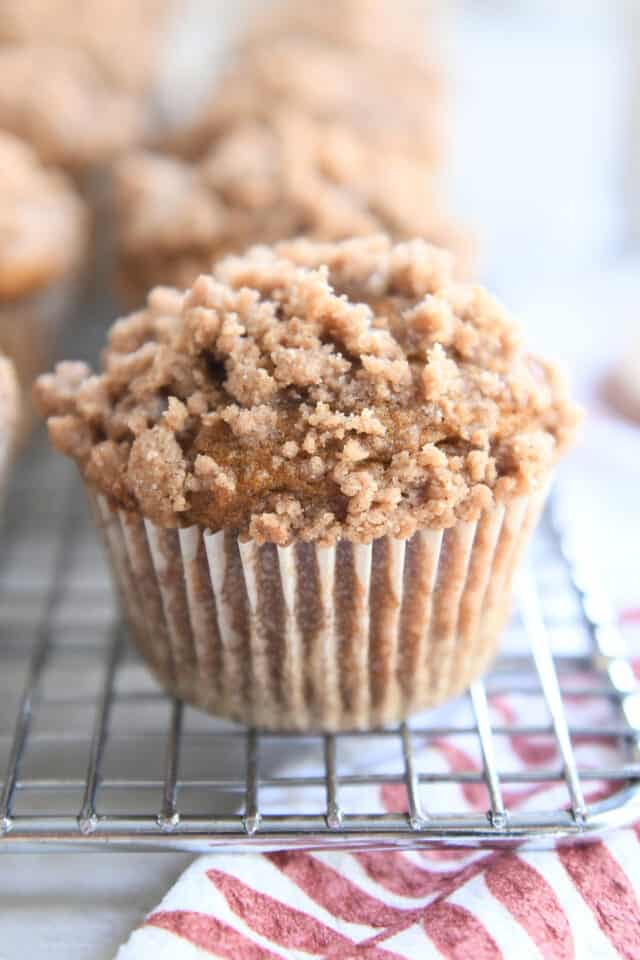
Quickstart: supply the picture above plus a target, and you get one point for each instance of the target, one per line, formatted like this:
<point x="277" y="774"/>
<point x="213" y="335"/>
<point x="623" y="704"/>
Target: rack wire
<point x="94" y="755"/>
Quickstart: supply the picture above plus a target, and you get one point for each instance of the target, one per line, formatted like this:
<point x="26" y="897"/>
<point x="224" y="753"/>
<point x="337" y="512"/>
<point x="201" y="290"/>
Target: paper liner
<point x="5" y="457"/>
<point x="307" y="637"/>
<point x="9" y="412"/>
<point x="28" y="330"/>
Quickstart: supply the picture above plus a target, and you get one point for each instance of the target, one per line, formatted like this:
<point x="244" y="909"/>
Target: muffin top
<point x="59" y="101"/>
<point x="314" y="391"/>
<point x="270" y="179"/>
<point x="43" y="222"/>
<point x="392" y="103"/>
<point x="9" y="398"/>
<point x="121" y="37"/>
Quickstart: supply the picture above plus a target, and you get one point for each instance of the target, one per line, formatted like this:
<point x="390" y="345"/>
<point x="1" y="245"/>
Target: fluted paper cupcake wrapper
<point x="308" y="637"/>
<point x="5" y="456"/>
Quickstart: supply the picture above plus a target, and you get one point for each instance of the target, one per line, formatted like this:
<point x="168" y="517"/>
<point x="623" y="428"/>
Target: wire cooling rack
<point x="93" y="754"/>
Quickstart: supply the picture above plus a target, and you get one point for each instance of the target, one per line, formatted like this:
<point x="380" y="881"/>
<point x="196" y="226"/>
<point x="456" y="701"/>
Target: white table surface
<point x="78" y="906"/>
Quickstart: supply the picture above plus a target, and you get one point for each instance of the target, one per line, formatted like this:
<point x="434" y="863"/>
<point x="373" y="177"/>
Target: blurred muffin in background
<point x="266" y="179"/>
<point x="123" y="38"/>
<point x="622" y="388"/>
<point x="60" y="102"/>
<point x="44" y="236"/>
<point x="383" y="26"/>
<point x="392" y="102"/>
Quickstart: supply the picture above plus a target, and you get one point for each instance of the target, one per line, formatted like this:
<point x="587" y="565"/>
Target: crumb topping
<point x="58" y="100"/>
<point x="314" y="391"/>
<point x="266" y="180"/>
<point x="43" y="222"/>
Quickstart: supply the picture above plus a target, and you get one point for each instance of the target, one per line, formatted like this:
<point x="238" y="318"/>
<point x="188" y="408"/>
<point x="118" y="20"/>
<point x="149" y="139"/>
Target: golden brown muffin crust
<point x="43" y="222"/>
<point x="314" y="391"/>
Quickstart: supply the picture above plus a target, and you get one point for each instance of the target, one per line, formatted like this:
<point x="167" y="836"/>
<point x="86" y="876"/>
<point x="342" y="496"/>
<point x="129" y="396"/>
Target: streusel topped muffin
<point x="265" y="180"/>
<point x="315" y="473"/>
<point x="315" y="391"/>
<point x="122" y="38"/>
<point x="43" y="222"/>
<point x="44" y="237"/>
<point x="59" y="101"/>
<point x="394" y="104"/>
<point x="400" y="27"/>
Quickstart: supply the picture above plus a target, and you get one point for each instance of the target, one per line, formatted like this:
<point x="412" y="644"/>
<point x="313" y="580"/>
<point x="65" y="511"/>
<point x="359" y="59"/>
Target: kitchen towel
<point x="578" y="901"/>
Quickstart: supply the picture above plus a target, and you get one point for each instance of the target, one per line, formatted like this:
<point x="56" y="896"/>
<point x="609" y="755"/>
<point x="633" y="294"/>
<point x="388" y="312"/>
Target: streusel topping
<point x="58" y="100"/>
<point x="43" y="222"/>
<point x="263" y="181"/>
<point x="314" y="391"/>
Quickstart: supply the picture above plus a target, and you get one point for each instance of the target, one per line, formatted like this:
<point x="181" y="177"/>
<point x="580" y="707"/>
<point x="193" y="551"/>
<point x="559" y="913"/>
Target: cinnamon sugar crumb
<point x="315" y="391"/>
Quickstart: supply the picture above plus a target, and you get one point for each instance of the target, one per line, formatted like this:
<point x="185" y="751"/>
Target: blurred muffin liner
<point x="308" y="637"/>
<point x="9" y="408"/>
<point x="29" y="328"/>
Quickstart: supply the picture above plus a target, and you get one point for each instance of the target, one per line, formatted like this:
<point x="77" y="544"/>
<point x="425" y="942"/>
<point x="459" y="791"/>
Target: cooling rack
<point x="94" y="755"/>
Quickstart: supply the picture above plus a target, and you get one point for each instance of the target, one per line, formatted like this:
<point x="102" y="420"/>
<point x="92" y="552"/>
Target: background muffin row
<point x="326" y="122"/>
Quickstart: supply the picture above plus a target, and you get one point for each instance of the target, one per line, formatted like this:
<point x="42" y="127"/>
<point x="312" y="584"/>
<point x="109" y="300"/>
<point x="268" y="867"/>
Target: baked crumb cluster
<point x="314" y="391"/>
<point x="43" y="223"/>
<point x="264" y="180"/>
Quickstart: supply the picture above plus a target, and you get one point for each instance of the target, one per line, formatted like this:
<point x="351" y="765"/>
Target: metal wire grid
<point x="96" y="756"/>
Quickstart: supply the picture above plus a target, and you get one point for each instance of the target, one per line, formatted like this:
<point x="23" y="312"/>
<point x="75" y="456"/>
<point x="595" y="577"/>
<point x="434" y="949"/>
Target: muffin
<point x="263" y="181"/>
<point x="404" y="28"/>
<point x="9" y="404"/>
<point x="123" y="39"/>
<point x="393" y="103"/>
<point x="315" y="472"/>
<point x="622" y="386"/>
<point x="43" y="244"/>
<point x="59" y="101"/>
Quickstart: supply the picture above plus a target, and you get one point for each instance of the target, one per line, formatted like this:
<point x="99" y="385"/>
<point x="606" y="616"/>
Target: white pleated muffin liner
<point x="5" y="457"/>
<point x="9" y="408"/>
<point x="308" y="637"/>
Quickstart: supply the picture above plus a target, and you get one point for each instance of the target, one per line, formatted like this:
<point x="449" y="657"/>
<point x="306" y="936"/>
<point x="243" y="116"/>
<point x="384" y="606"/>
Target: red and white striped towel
<point x="577" y="902"/>
<point x="580" y="902"/>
